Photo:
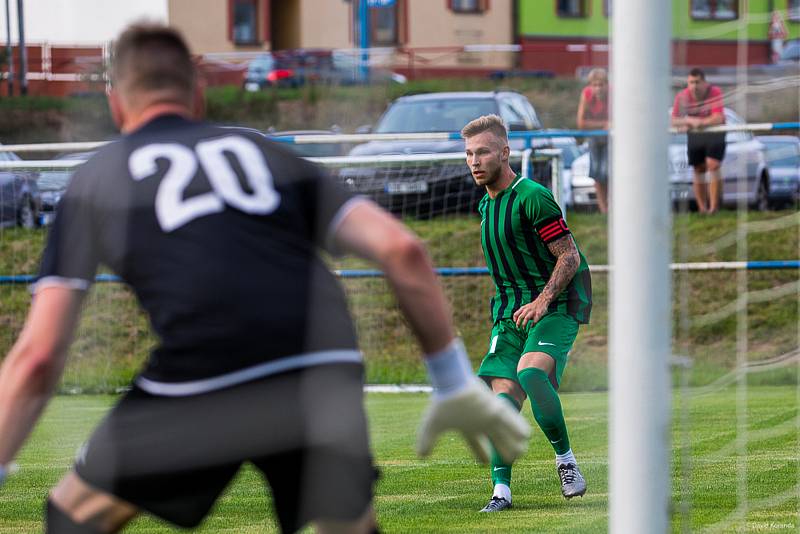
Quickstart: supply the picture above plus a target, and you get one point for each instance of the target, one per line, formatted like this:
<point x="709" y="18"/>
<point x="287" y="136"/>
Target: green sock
<point x="501" y="471"/>
<point x="546" y="407"/>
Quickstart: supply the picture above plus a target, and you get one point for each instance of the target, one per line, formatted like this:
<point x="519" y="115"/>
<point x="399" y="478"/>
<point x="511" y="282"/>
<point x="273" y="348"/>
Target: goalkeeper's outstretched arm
<point x="460" y="402"/>
<point x="33" y="367"/>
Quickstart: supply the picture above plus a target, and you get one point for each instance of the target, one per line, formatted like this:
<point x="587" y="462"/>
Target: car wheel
<point x="26" y="215"/>
<point x="762" y="196"/>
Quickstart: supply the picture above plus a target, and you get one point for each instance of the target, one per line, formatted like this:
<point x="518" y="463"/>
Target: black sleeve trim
<point x="552" y="229"/>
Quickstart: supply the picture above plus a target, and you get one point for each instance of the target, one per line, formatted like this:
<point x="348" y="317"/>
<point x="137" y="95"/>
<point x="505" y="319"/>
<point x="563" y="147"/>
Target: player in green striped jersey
<point x="543" y="293"/>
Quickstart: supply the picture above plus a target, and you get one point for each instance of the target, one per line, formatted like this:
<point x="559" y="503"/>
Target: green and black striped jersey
<point x="516" y="227"/>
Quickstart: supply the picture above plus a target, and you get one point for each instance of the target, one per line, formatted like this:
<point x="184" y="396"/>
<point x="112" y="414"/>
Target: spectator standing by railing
<point x="697" y="107"/>
<point x="593" y="115"/>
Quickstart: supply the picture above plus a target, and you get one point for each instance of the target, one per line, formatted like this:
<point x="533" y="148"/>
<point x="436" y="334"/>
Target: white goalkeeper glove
<point x="462" y="402"/>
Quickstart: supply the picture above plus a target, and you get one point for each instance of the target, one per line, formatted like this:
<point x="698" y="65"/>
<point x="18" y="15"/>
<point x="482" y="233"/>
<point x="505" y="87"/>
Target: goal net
<point x="433" y="193"/>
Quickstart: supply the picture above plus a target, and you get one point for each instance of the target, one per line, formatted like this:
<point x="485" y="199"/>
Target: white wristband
<point x="6" y="470"/>
<point x="449" y="369"/>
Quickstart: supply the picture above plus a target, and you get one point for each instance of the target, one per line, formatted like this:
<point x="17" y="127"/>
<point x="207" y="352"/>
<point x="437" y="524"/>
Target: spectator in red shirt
<point x="593" y="115"/>
<point x="697" y="107"/>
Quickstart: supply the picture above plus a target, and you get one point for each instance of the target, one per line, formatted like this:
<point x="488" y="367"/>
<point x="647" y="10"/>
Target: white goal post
<point x="640" y="290"/>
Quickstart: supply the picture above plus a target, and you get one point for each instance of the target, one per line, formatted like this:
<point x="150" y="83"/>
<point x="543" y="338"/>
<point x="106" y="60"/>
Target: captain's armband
<point x="552" y="229"/>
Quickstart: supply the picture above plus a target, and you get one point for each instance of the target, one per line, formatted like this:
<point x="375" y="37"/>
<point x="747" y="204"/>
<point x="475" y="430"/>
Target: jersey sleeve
<point x="70" y="257"/>
<point x="677" y="105"/>
<point x="545" y="215"/>
<point x="330" y="203"/>
<point x="715" y="100"/>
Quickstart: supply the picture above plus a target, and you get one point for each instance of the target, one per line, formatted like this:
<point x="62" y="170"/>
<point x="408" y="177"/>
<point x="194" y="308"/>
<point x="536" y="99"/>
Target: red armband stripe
<point x="552" y="225"/>
<point x="553" y="230"/>
<point x="551" y="235"/>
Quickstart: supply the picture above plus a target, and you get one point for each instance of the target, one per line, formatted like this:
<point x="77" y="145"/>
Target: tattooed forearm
<point x="567" y="263"/>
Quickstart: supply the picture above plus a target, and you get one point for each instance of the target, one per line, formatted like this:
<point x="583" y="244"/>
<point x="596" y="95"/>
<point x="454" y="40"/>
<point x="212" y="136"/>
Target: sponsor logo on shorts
<point x="543" y="343"/>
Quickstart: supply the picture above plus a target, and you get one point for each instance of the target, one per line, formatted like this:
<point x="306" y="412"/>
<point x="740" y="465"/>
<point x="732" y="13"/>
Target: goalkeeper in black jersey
<point x="543" y="293"/>
<point x="218" y="232"/>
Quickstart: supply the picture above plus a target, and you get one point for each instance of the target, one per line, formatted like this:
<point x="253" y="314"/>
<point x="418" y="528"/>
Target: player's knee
<point x="700" y="168"/>
<point x="505" y="386"/>
<point x="533" y="374"/>
<point x="58" y="522"/>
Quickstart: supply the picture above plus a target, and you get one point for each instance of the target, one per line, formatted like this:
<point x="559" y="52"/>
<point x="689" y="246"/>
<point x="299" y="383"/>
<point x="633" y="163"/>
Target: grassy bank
<point x="114" y="337"/>
<point x="44" y="119"/>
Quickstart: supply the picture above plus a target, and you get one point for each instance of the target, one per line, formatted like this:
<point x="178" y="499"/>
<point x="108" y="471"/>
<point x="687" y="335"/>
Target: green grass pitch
<point x="444" y="493"/>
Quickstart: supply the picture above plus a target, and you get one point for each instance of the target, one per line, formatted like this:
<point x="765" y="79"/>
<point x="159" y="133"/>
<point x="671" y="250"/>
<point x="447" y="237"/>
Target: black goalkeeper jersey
<point x="217" y="231"/>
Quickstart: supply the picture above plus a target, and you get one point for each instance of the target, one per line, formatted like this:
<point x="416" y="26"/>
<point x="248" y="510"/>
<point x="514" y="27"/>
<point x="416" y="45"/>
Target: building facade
<point x="456" y="37"/>
<point x="417" y="37"/>
<point x="563" y="36"/>
<point x="68" y="52"/>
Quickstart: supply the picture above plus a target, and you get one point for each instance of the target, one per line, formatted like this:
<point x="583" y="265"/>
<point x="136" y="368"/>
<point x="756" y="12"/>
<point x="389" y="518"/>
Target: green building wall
<point x="538" y="18"/>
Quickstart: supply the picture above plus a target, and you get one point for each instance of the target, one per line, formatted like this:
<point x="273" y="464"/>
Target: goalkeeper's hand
<point x="481" y="417"/>
<point x="462" y="402"/>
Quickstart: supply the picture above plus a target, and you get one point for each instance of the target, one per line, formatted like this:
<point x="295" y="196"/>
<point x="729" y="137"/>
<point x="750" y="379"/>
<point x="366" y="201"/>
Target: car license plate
<point x="250" y="86"/>
<point x="404" y="188"/>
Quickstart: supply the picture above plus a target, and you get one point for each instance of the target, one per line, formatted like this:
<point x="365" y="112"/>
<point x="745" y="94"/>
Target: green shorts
<point x="554" y="335"/>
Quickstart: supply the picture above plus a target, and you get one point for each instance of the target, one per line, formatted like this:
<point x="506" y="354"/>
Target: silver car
<point x="745" y="174"/>
<point x="783" y="161"/>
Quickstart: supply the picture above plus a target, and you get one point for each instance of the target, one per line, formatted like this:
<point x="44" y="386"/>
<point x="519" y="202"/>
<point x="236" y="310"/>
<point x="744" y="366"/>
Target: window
<point x="571" y="8"/>
<point x="715" y="9"/>
<point x="387" y="23"/>
<point x="794" y="10"/>
<point x="383" y="25"/>
<point x="468" y="6"/>
<point x="512" y="116"/>
<point x="245" y="22"/>
<point x="445" y="115"/>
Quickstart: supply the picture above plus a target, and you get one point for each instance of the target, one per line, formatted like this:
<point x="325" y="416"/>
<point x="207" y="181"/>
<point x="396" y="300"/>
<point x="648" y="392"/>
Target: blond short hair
<point x="598" y="74"/>
<point x="486" y="123"/>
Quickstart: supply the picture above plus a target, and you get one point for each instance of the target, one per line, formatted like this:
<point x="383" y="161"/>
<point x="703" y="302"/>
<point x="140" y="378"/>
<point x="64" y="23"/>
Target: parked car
<point x="52" y="184"/>
<point x="294" y="68"/>
<point x="783" y="162"/>
<point x="570" y="151"/>
<point x="346" y="71"/>
<point x="744" y="159"/>
<point x="791" y="52"/>
<point x="20" y="200"/>
<point x="268" y="71"/>
<point x="582" y="192"/>
<point x="425" y="189"/>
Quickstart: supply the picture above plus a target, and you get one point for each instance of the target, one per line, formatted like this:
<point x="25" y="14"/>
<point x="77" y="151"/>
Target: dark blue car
<point x="20" y="201"/>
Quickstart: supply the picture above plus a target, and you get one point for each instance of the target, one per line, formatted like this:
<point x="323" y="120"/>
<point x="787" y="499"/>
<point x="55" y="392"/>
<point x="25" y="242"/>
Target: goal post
<point x="640" y="287"/>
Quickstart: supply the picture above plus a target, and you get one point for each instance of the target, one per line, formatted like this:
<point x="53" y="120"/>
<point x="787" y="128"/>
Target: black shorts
<point x="705" y="145"/>
<point x="305" y="430"/>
